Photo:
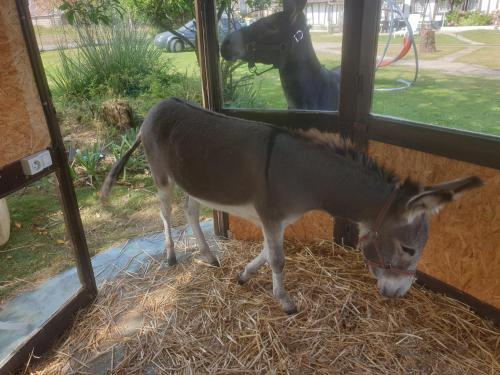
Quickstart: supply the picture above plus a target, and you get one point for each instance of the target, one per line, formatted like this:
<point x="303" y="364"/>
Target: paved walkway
<point x="464" y="39"/>
<point x="454" y="56"/>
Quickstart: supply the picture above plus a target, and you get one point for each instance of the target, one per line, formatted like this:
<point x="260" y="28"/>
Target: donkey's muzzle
<point x="394" y="286"/>
<point x="232" y="47"/>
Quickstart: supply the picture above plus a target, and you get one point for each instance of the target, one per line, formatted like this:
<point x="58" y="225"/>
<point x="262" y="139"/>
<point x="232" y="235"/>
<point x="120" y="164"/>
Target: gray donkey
<point x="272" y="176"/>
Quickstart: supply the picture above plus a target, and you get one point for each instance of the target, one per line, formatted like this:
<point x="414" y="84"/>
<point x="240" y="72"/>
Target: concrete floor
<point x="25" y="314"/>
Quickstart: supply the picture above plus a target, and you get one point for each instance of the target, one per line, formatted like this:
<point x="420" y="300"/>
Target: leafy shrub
<point x="239" y="90"/>
<point x="137" y="161"/>
<point x="91" y="165"/>
<point x="108" y="60"/>
<point x="165" y="14"/>
<point x="87" y="166"/>
<point x="478" y="19"/>
<point x="91" y="11"/>
<point x="245" y="95"/>
<point x="180" y="85"/>
<point x="472" y="18"/>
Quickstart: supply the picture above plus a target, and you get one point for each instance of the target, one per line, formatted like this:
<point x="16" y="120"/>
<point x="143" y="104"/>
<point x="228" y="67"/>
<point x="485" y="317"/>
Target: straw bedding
<point x="195" y="319"/>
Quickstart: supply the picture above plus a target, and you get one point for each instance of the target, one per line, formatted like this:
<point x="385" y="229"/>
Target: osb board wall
<point x="23" y="127"/>
<point x="464" y="244"/>
<point x="312" y="226"/>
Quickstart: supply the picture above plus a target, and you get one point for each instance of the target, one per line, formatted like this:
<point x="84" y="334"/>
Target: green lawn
<point x="441" y="51"/>
<point x="183" y="62"/>
<point x="445" y="44"/>
<point x="488" y="56"/>
<point x="458" y="102"/>
<point x="483" y="36"/>
<point x="319" y="37"/>
<point x="50" y="60"/>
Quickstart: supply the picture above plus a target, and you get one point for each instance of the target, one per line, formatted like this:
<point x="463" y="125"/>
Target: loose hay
<point x="197" y="319"/>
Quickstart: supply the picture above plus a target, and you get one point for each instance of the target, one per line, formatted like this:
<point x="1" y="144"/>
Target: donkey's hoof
<point x="291" y="310"/>
<point x="172" y="261"/>
<point x="211" y="261"/>
<point x="215" y="263"/>
<point x="240" y="279"/>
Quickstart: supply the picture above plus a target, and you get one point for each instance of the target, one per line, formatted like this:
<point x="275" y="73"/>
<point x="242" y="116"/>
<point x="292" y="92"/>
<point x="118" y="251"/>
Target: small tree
<point x="91" y="12"/>
<point x="458" y="3"/>
<point x="161" y="14"/>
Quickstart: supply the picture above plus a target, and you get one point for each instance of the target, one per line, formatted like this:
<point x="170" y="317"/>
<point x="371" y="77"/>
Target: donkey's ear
<point x="458" y="186"/>
<point x="432" y="198"/>
<point x="292" y="7"/>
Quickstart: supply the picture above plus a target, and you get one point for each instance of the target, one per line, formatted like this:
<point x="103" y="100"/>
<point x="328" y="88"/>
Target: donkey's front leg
<point x="252" y="267"/>
<point x="273" y="242"/>
<point x="193" y="216"/>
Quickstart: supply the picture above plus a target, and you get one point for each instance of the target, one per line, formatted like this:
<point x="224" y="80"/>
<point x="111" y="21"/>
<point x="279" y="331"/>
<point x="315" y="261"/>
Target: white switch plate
<point x="36" y="163"/>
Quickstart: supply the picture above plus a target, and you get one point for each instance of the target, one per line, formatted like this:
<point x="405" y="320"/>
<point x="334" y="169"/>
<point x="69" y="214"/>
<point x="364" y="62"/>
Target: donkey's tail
<point x="117" y="169"/>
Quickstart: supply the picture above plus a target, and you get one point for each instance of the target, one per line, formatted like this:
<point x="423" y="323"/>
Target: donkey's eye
<point x="408" y="250"/>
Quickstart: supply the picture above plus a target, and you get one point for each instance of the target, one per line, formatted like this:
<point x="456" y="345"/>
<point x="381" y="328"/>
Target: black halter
<point x="283" y="48"/>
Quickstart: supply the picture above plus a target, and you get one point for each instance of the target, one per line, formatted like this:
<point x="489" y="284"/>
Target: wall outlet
<point x="36" y="163"/>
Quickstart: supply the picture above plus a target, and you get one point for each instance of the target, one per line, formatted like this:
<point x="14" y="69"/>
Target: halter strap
<point x="385" y="208"/>
<point x="283" y="48"/>
<point x="376" y="227"/>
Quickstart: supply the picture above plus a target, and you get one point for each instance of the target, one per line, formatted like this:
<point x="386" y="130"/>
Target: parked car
<point x="397" y="24"/>
<point x="173" y="43"/>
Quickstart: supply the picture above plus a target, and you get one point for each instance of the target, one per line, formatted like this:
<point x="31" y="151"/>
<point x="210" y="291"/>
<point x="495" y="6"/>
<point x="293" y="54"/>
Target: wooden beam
<point x="208" y="53"/>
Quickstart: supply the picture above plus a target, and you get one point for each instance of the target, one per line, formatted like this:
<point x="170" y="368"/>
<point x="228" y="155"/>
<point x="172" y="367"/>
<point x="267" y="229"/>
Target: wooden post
<point x="208" y="54"/>
<point x="356" y="87"/>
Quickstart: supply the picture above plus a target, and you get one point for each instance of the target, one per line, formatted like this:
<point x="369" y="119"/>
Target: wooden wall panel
<point x="312" y="226"/>
<point x="464" y="244"/>
<point x="23" y="126"/>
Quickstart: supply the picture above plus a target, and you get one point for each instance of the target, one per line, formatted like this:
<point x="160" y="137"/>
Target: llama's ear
<point x="293" y="7"/>
<point x="433" y="198"/>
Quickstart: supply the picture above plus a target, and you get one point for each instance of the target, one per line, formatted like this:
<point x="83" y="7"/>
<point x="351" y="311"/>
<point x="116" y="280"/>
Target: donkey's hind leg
<point x="273" y="242"/>
<point x="252" y="267"/>
<point x="165" y="196"/>
<point x="193" y="216"/>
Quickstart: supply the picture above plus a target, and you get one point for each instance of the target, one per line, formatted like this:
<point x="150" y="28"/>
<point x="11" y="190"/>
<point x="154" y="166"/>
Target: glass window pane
<point x="458" y="81"/>
<point x="284" y="56"/>
<point x="37" y="273"/>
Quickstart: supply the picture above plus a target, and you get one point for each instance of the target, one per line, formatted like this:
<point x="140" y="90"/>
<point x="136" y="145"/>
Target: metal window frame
<point x="354" y="118"/>
<point x="42" y="339"/>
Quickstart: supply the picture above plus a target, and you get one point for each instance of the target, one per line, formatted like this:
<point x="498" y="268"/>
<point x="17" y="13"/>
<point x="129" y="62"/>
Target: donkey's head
<point x="393" y="244"/>
<point x="269" y="40"/>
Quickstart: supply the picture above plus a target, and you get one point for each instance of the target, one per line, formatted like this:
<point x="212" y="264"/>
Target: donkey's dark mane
<point x="342" y="146"/>
<point x="332" y="142"/>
